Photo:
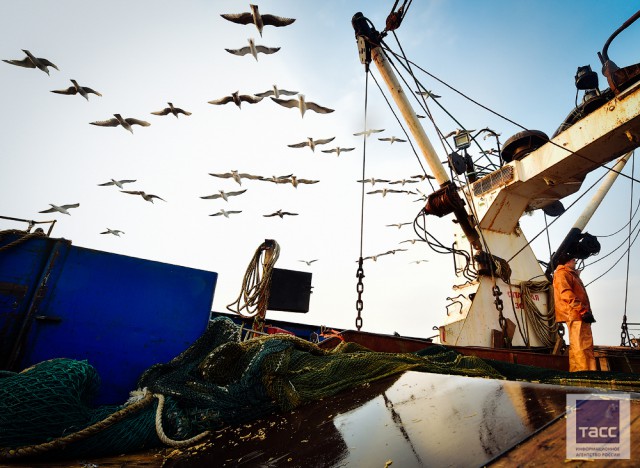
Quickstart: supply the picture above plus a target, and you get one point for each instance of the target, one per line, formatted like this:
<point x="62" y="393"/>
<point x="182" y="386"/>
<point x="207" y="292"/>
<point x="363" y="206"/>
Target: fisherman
<point x="573" y="308"/>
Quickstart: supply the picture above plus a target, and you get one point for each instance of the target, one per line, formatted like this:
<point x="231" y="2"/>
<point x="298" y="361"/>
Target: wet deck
<point x="548" y="448"/>
<point x="416" y="419"/>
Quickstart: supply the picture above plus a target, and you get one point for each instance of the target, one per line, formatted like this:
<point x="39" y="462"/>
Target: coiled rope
<point x="543" y="323"/>
<point x="256" y="283"/>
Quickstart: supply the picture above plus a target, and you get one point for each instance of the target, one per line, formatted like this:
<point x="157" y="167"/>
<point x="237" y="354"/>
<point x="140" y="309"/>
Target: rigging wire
<point x="556" y="218"/>
<point x="635" y="212"/>
<point x="546" y="228"/>
<point x="423" y="104"/>
<point x="599" y="259"/>
<point x="628" y="223"/>
<point x="517" y="124"/>
<point x="403" y="130"/>
<point x="424" y="107"/>
<point x="625" y="329"/>
<point x="440" y="248"/>
<point x="485" y="246"/>
<point x="360" y="271"/>
<point x="616" y="262"/>
<point x="466" y="184"/>
<point x="438" y="245"/>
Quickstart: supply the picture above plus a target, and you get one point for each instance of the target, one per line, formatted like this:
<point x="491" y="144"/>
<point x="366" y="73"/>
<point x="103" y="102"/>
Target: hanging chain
<point x="359" y="289"/>
<point x="365" y="57"/>
<point x="501" y="318"/>
<point x="624" y="334"/>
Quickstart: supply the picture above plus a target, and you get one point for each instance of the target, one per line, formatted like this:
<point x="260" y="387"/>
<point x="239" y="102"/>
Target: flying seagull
<point x="375" y="257"/>
<point x="403" y="181"/>
<point x="237" y="99"/>
<point x="117" y="183"/>
<point x="83" y="91"/>
<point x="372" y="181"/>
<point x="413" y="241"/>
<point x="224" y="195"/>
<point x="417" y="262"/>
<point x="399" y="225"/>
<point x="119" y="120"/>
<point x="280" y="213"/>
<point x="303" y="105"/>
<point x="253" y="49"/>
<point x="276" y="92"/>
<point x="367" y="133"/>
<point x="147" y="196"/>
<point x="392" y="139"/>
<point x="311" y="143"/>
<point x="33" y="62"/>
<point x="115" y="232"/>
<point x="385" y="190"/>
<point x="278" y="179"/>
<point x="295" y="181"/>
<point x="308" y="262"/>
<point x="422" y="176"/>
<point x="225" y="213"/>
<point x="428" y="94"/>
<point x="393" y="252"/>
<point x="237" y="176"/>
<point x="254" y="17"/>
<point x="338" y="150"/>
<point x="60" y="209"/>
<point x="171" y="110"/>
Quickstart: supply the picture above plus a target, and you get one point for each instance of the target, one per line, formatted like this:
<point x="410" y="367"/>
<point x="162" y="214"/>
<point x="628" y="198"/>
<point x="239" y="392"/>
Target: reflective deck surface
<point x="416" y="419"/>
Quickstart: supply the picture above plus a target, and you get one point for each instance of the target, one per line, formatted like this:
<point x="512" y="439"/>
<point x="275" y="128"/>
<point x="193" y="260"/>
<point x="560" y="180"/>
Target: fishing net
<point x="217" y="381"/>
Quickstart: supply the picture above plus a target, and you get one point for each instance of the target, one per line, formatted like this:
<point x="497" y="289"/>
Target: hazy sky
<point x="517" y="58"/>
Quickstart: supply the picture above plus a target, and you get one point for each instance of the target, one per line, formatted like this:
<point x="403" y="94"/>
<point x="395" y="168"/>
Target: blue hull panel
<point x="122" y="314"/>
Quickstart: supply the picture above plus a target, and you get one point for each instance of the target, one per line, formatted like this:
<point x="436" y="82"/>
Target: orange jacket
<point x="569" y="294"/>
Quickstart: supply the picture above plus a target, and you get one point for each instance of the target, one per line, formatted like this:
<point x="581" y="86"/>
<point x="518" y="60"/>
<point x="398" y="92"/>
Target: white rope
<point x="160" y="431"/>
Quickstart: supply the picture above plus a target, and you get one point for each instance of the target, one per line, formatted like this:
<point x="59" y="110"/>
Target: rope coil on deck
<point x="544" y="324"/>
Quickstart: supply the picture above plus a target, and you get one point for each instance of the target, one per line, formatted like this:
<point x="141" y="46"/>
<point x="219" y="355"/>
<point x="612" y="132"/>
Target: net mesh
<point x="219" y="381"/>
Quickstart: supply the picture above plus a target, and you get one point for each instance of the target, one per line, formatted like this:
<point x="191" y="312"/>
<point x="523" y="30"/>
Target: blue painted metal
<point x="122" y="314"/>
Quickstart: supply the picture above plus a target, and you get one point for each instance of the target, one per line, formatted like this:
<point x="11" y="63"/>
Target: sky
<point x="516" y="58"/>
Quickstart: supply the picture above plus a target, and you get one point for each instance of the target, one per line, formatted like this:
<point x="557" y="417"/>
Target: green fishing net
<point x="217" y="381"/>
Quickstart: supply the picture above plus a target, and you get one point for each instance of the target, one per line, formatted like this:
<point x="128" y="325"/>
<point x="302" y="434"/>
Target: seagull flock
<point x="282" y="97"/>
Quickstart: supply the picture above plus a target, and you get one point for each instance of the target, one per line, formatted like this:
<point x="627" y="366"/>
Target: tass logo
<point x="597" y="421"/>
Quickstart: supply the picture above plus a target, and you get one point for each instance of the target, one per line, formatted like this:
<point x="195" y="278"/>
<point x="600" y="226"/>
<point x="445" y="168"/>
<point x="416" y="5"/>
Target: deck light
<point x="586" y="78"/>
<point x="462" y="140"/>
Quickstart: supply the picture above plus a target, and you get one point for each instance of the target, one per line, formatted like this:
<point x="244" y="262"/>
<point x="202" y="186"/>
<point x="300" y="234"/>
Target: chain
<point x="359" y="289"/>
<point x="625" y="331"/>
<point x="501" y="318"/>
<point x="365" y="57"/>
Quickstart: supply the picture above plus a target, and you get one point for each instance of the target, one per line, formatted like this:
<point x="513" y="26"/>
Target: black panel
<point x="290" y="291"/>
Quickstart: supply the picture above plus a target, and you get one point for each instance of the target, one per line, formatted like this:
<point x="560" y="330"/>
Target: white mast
<point x="534" y="180"/>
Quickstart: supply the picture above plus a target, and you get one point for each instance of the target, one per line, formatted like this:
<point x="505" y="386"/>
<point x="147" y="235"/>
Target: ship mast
<point x="493" y="205"/>
<point x="449" y="200"/>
